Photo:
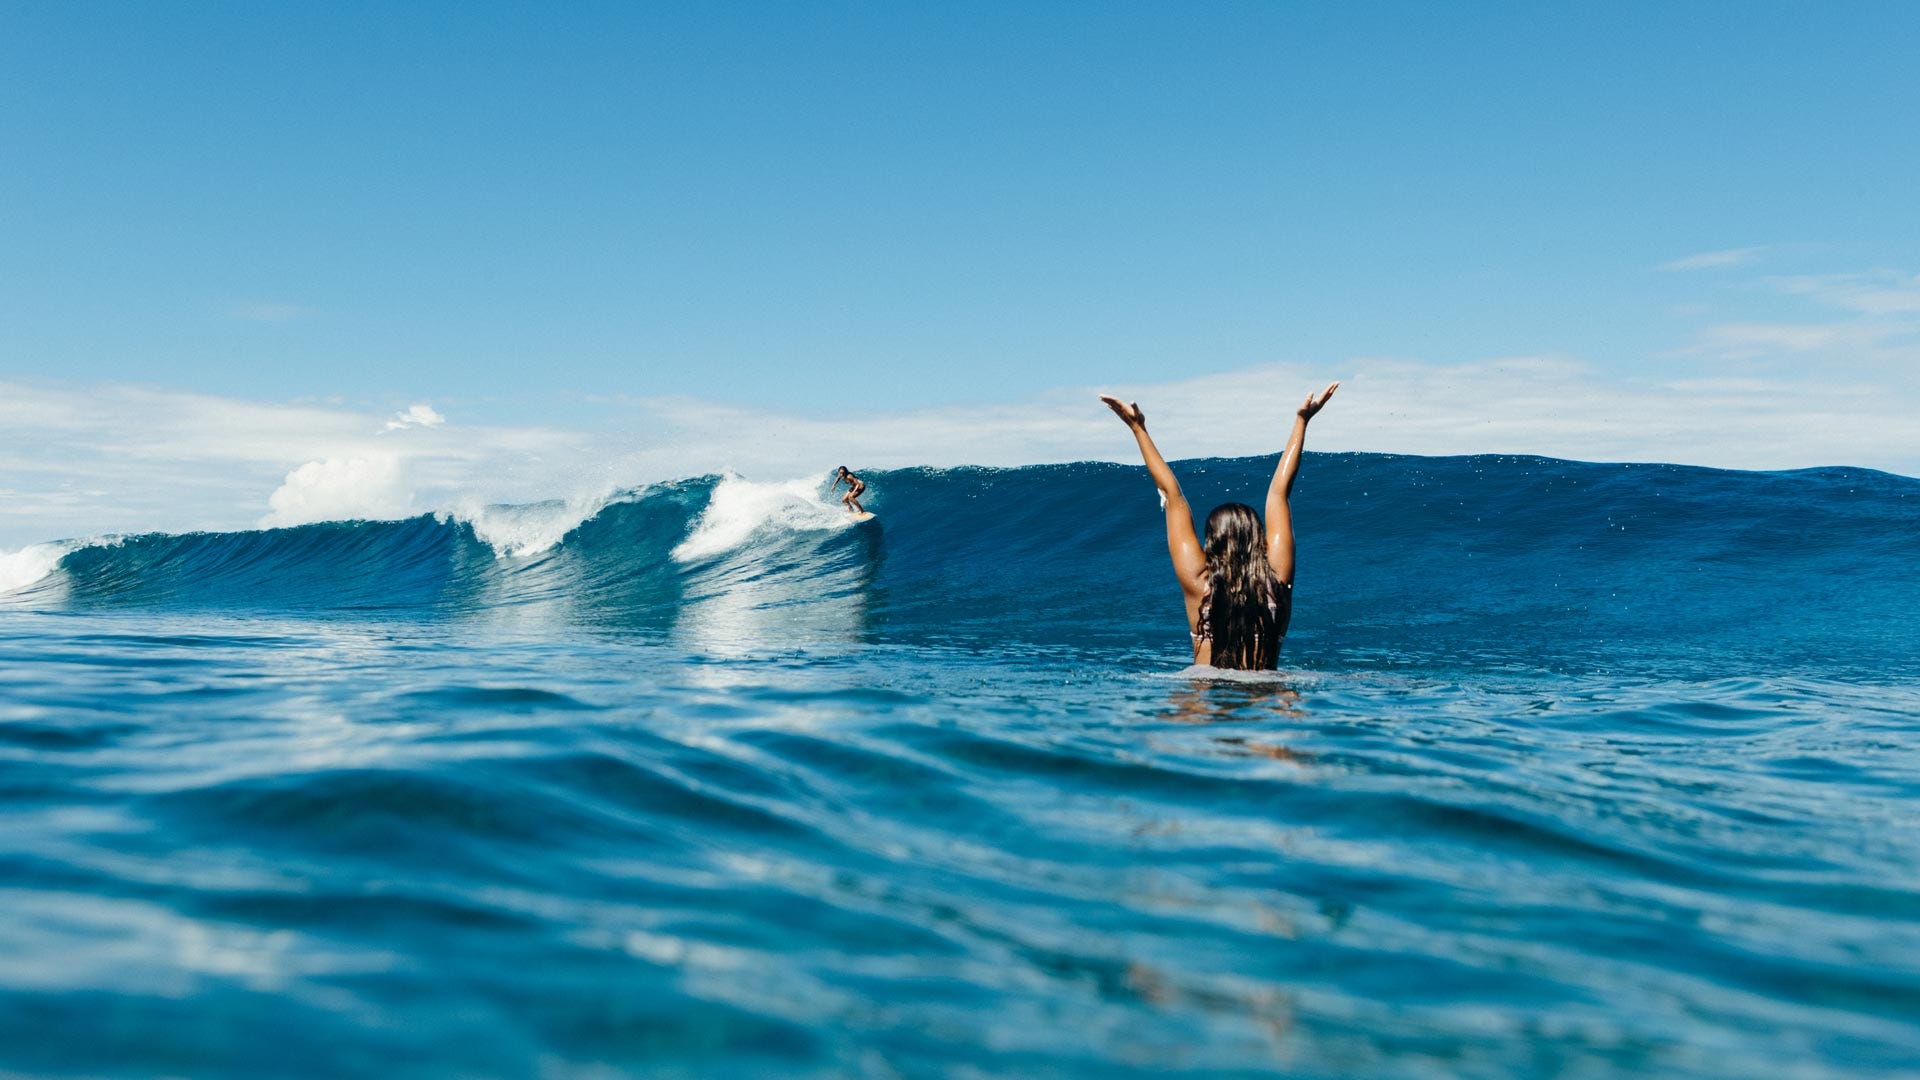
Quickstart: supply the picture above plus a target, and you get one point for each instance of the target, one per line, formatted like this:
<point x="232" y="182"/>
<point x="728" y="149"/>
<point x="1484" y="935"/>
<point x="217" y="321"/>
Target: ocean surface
<point x="1571" y="770"/>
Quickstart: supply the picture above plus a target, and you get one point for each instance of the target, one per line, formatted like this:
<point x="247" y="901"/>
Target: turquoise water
<point x="1570" y="770"/>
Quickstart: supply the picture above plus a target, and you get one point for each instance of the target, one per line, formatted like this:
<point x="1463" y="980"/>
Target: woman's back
<point x="1250" y="632"/>
<point x="1239" y="586"/>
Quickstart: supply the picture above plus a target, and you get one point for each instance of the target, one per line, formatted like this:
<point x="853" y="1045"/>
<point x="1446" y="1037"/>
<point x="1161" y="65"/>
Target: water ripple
<point x="558" y="814"/>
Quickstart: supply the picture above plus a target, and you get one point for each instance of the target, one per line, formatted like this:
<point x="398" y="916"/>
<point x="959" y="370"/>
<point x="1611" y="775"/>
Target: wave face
<point x="1571" y="770"/>
<point x="1423" y="561"/>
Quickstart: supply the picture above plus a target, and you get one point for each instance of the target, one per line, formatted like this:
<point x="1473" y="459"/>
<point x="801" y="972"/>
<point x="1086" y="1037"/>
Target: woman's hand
<point x="1313" y="404"/>
<point x="1129" y="412"/>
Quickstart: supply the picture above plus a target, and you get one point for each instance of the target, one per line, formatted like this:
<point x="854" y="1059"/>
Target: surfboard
<point x="866" y="515"/>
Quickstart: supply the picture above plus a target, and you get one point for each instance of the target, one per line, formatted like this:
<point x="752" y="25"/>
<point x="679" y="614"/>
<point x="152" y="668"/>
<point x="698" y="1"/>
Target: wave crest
<point x="33" y="563"/>
<point x="739" y="509"/>
<point x="517" y="531"/>
<point x="1403" y="560"/>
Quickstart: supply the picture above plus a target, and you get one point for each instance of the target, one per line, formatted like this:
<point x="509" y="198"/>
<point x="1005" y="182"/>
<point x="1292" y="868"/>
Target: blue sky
<point x="535" y="215"/>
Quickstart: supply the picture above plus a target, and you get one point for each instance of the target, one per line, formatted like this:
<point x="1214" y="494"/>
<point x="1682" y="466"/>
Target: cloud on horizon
<point x="1830" y="382"/>
<point x="1863" y="327"/>
<point x="92" y="459"/>
<point x="1879" y="292"/>
<point x="89" y="460"/>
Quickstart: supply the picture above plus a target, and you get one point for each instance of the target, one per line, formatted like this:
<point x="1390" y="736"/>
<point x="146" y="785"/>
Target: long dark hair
<point x="1246" y="607"/>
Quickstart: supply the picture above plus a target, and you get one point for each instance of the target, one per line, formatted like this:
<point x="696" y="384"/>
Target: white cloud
<point x="1712" y="260"/>
<point x="421" y="415"/>
<point x="172" y="461"/>
<point x="111" y="458"/>
<point x="363" y="488"/>
<point x="1545" y="405"/>
<point x="1868" y="332"/>
<point x="1744" y="340"/>
<point x="1880" y="292"/>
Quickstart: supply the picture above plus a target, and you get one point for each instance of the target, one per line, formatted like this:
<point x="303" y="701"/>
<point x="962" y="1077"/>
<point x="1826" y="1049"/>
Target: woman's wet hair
<point x="842" y="471"/>
<point x="1242" y="590"/>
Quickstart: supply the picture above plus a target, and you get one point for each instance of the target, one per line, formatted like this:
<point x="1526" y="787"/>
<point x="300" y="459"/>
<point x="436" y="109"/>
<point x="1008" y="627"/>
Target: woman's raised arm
<point x="1279" y="513"/>
<point x="1183" y="545"/>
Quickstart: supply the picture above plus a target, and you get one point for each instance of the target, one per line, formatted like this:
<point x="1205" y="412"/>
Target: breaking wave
<point x="1450" y="561"/>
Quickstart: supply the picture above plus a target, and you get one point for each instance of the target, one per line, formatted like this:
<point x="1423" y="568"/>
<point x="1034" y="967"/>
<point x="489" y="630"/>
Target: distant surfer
<point x="855" y="487"/>
<point x="1239" y="586"/>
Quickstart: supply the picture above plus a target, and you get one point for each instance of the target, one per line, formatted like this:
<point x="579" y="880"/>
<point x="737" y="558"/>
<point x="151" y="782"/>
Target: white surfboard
<point x="864" y="515"/>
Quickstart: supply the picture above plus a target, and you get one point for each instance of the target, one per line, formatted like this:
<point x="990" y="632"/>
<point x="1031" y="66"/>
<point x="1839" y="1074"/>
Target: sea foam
<point x="517" y="531"/>
<point x="739" y="508"/>
<point x="31" y="564"/>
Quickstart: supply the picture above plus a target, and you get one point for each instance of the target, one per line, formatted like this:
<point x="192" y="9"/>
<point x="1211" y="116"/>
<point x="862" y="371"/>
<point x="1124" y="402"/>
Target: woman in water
<point x="1239" y="587"/>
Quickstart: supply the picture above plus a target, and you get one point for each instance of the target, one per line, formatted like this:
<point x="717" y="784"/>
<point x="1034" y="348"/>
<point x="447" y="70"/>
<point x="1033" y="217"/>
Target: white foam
<point x="739" y="508"/>
<point x="19" y="569"/>
<point x="1237" y="675"/>
<point x="531" y="528"/>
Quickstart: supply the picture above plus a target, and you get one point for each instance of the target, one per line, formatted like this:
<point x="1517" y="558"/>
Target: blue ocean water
<point x="1570" y="770"/>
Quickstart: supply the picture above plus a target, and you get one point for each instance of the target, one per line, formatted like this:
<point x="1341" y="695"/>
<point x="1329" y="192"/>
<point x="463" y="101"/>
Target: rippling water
<point x="1572" y="770"/>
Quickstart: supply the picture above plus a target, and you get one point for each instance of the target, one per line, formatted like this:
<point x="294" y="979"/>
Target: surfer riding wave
<point x="855" y="488"/>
